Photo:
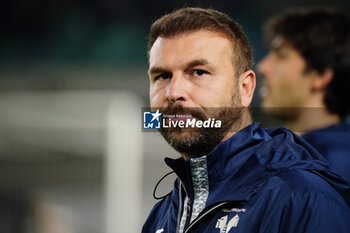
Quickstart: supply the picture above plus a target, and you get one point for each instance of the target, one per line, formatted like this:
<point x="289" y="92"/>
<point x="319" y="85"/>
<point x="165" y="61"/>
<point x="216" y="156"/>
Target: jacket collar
<point x="231" y="166"/>
<point x="240" y="166"/>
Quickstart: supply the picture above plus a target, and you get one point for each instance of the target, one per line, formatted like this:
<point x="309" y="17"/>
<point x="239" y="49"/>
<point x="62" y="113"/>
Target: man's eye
<point x="280" y="54"/>
<point x="163" y="76"/>
<point x="199" y="72"/>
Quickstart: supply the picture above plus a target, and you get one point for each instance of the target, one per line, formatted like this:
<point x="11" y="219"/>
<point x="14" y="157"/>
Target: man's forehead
<point x="279" y="42"/>
<point x="193" y="36"/>
<point x="191" y="45"/>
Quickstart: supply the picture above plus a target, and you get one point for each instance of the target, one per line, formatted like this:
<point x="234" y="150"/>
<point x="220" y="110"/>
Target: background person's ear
<point x="321" y="81"/>
<point x="247" y="85"/>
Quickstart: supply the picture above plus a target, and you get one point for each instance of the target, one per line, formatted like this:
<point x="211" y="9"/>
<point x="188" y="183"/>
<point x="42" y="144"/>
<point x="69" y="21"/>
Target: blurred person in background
<point x="307" y="78"/>
<point x="237" y="177"/>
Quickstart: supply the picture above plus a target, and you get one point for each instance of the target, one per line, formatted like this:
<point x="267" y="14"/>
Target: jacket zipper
<point x="188" y="209"/>
<point x="203" y="215"/>
<point x="180" y="208"/>
<point x="189" y="194"/>
<point x="189" y="213"/>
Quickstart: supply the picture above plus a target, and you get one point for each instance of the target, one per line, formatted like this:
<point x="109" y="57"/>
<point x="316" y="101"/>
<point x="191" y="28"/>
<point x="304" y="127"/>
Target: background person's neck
<point x="312" y="119"/>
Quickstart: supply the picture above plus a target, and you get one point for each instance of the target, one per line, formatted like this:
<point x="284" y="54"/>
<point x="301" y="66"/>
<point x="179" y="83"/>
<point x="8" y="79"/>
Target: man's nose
<point x="264" y="66"/>
<point x="177" y="89"/>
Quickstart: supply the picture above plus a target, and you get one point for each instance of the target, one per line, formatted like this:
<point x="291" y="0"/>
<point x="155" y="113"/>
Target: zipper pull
<point x="189" y="203"/>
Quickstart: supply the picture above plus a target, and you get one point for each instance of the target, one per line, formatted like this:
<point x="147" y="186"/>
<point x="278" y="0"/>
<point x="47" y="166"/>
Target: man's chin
<point x="182" y="135"/>
<point x="185" y="137"/>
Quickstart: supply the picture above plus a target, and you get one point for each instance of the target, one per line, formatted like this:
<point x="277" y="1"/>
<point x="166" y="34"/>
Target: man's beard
<point x="196" y="142"/>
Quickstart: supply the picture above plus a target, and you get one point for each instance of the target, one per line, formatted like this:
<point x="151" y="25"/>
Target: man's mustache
<point x="180" y="110"/>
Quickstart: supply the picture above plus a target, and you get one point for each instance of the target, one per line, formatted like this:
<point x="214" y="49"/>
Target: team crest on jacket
<point x="225" y="226"/>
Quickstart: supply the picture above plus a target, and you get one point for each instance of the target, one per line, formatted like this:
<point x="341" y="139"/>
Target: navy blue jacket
<point x="259" y="180"/>
<point x="333" y="142"/>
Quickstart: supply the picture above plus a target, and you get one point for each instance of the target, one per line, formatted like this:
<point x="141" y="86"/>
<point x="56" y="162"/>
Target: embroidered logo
<point x="160" y="230"/>
<point x="234" y="210"/>
<point x="225" y="226"/>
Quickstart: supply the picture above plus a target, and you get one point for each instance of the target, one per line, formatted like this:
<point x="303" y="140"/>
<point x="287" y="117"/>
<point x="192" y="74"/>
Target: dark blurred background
<point x="73" y="79"/>
<point x="65" y="44"/>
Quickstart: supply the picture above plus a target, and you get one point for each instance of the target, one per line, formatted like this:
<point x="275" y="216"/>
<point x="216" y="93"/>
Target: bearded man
<point x="237" y="177"/>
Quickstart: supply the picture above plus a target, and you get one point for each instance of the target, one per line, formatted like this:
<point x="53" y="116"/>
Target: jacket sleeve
<point x="314" y="213"/>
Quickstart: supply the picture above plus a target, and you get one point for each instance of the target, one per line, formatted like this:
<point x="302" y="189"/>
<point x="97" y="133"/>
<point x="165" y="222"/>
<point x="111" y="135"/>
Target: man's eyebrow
<point x="197" y="62"/>
<point x="188" y="66"/>
<point x="277" y="48"/>
<point x="157" y="70"/>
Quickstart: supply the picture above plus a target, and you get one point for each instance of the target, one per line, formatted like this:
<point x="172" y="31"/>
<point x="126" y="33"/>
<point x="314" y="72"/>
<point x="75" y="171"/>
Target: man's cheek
<point x="156" y="99"/>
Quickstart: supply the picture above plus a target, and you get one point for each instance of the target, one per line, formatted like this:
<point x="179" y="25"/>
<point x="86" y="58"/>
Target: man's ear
<point x="321" y="81"/>
<point x="247" y="84"/>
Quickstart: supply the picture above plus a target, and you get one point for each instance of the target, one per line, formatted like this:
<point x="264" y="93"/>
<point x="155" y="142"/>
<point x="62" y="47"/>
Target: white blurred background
<point x="77" y="161"/>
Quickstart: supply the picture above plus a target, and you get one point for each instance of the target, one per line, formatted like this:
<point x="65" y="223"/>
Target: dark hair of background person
<point x="187" y="20"/>
<point x="322" y="37"/>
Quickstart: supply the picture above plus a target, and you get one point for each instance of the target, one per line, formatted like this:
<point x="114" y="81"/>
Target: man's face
<point x="285" y="83"/>
<point x="193" y="73"/>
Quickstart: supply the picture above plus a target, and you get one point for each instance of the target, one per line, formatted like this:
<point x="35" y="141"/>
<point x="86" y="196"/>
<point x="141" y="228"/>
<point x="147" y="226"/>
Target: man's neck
<point x="311" y="119"/>
<point x="246" y="119"/>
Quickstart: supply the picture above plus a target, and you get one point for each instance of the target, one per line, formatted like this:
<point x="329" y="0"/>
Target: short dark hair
<point x="187" y="20"/>
<point x="322" y="37"/>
